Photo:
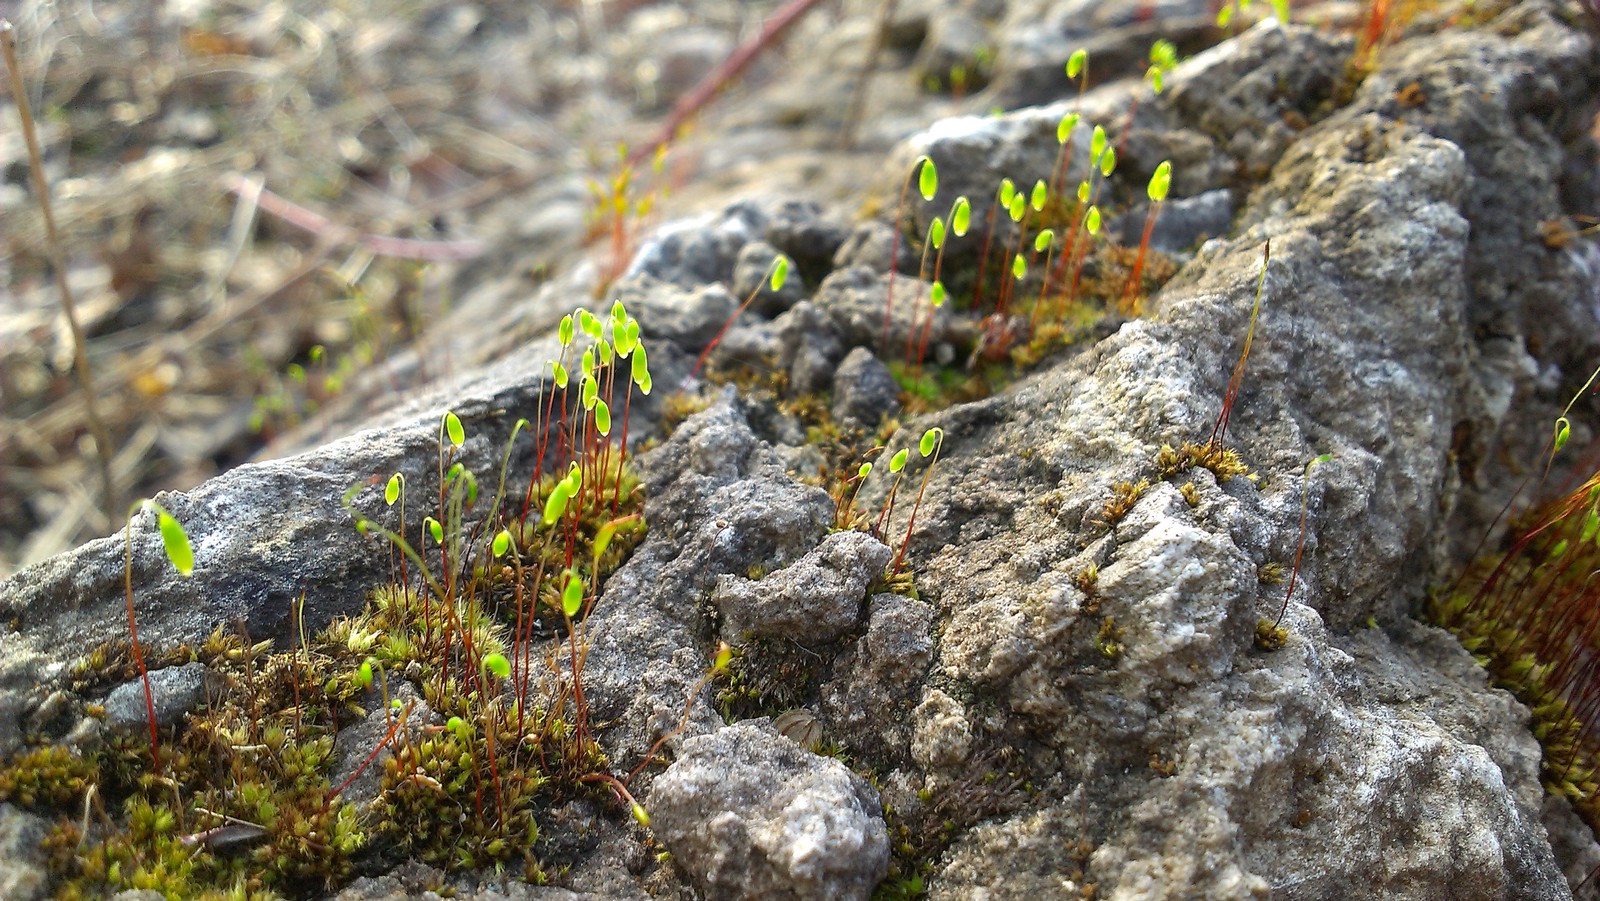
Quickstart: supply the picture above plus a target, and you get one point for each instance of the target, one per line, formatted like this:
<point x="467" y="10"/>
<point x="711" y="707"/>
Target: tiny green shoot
<point x="1156" y="190"/>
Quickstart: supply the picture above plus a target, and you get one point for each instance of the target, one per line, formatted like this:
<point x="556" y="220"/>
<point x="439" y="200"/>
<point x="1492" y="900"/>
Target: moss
<point x="767" y="677"/>
<point x="994" y="782"/>
<point x="1108" y="639"/>
<point x="1223" y="462"/>
<point x="1087" y="579"/>
<point x="1191" y="494"/>
<point x="1123" y="496"/>
<point x="1269" y="635"/>
<point x="242" y="805"/>
<point x="49" y="776"/>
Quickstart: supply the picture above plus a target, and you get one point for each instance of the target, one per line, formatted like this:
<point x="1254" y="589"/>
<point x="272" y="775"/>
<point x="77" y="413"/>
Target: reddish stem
<point x="1130" y="292"/>
<point x="912" y="521"/>
<point x="371" y="756"/>
<point x="133" y="643"/>
<point x="702" y="93"/>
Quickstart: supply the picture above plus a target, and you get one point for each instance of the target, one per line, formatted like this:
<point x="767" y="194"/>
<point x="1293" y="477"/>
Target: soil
<point x="221" y="176"/>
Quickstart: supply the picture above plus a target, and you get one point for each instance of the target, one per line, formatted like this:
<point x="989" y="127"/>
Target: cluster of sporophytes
<point x="1530" y="615"/>
<point x="844" y="512"/>
<point x="469" y="666"/>
<point x="1051" y="272"/>
<point x="1230" y="10"/>
<point x="622" y="208"/>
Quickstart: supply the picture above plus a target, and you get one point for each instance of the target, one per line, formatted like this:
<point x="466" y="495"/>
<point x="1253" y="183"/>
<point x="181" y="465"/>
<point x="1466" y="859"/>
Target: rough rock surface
<point x="420" y="881"/>
<point x="752" y="815"/>
<point x="1285" y="771"/>
<point x="818" y="597"/>
<point x="718" y="502"/>
<point x="864" y="389"/>
<point x="174" y="691"/>
<point x="22" y="873"/>
<point x="1077" y="695"/>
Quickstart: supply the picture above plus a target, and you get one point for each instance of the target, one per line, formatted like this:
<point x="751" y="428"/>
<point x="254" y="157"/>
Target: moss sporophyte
<point x="1531" y="616"/>
<point x="1046" y="272"/>
<point x="467" y="668"/>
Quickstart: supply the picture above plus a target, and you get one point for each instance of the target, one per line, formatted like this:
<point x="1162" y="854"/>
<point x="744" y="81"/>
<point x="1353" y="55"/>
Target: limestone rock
<point x="749" y="814"/>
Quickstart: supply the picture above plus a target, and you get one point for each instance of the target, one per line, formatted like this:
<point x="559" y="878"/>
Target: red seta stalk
<point x="133" y="643"/>
<point x="1219" y="430"/>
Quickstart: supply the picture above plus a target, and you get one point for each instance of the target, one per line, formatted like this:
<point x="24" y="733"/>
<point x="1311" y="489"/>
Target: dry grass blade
<point x="58" y="263"/>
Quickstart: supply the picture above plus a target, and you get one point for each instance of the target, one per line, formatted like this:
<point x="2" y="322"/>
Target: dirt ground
<point x="258" y="204"/>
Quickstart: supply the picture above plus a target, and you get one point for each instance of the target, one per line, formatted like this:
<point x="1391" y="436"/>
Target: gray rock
<point x="870" y="244"/>
<point x="817" y="598"/>
<point x="1223" y="111"/>
<point x="802" y="461"/>
<point x="809" y="348"/>
<point x="23" y="673"/>
<point x="266" y="533"/>
<point x="864" y="389"/>
<point x="752" y="278"/>
<point x="857" y="299"/>
<point x="695" y="252"/>
<point x="956" y="55"/>
<point x="800" y="229"/>
<point x="175" y="691"/>
<point x="1375" y="230"/>
<point x="1036" y="36"/>
<point x="1414" y="324"/>
<point x="749" y="814"/>
<point x="1182" y="223"/>
<point x="942" y="736"/>
<point x="420" y="881"/>
<point x="718" y="501"/>
<point x="689" y="317"/>
<point x="22" y="869"/>
<point x="866" y="704"/>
